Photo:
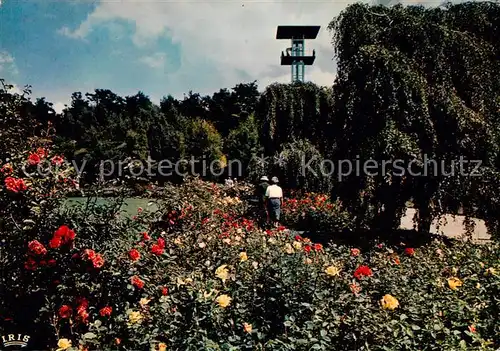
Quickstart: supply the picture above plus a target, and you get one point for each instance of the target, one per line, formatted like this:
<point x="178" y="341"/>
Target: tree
<point x="416" y="84"/>
<point x="242" y="144"/>
<point x="299" y="110"/>
<point x="203" y="145"/>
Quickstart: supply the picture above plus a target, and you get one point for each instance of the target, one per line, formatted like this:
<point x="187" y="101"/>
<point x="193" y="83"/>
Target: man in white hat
<point x="274" y="197"/>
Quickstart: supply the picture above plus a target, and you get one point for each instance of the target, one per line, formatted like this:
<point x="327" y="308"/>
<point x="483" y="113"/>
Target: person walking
<point x="261" y="194"/>
<point x="274" y="198"/>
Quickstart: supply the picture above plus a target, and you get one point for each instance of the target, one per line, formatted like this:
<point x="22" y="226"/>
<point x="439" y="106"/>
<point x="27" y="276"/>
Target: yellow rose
<point x="243" y="256"/>
<point x="208" y="294"/>
<point x="454" y="283"/>
<point x="162" y="347"/>
<point x="332" y="271"/>
<point x="143" y="302"/>
<point x="134" y="317"/>
<point x="389" y="302"/>
<point x="222" y="273"/>
<point x="223" y="161"/>
<point x="297" y="245"/>
<point x="223" y="301"/>
<point x="478" y="286"/>
<point x="289" y="249"/>
<point x="63" y="344"/>
<point x="247" y="328"/>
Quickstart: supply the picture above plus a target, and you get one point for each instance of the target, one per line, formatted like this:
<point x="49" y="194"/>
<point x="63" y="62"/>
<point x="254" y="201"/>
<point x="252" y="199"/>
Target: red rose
<point x="15" y="185"/>
<point x="105" y="311"/>
<point x="355" y="252"/>
<point x="65" y="311"/>
<point x="34" y="159"/>
<point x="63" y="235"/>
<point x="145" y="236"/>
<point x="410" y="251"/>
<point x="30" y="264"/>
<point x="51" y="262"/>
<point x="57" y="160"/>
<point x="89" y="254"/>
<point x="161" y="243"/>
<point x="98" y="261"/>
<point x="164" y="291"/>
<point x="318" y="247"/>
<point x="298" y="238"/>
<point x="83" y="316"/>
<point x="42" y="152"/>
<point x="37" y="248"/>
<point x="157" y="249"/>
<point x="307" y="248"/>
<point x="82" y="303"/>
<point x="363" y="271"/>
<point x="137" y="282"/>
<point x="54" y="243"/>
<point x="134" y="254"/>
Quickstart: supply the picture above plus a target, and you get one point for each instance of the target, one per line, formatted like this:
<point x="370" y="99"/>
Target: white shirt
<point x="274" y="191"/>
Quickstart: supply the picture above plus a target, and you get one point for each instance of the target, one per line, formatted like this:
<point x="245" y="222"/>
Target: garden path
<point x="450" y="226"/>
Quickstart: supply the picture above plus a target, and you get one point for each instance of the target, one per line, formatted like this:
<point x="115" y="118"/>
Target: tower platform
<point x="297" y="32"/>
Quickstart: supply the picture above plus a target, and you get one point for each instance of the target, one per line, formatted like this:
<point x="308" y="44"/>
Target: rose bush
<point x="196" y="274"/>
<point x="316" y="213"/>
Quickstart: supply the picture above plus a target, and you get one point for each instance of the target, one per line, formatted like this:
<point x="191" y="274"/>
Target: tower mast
<point x="295" y="55"/>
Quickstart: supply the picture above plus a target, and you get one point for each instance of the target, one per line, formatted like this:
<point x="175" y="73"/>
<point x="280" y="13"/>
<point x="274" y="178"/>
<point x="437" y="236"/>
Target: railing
<point x="303" y="53"/>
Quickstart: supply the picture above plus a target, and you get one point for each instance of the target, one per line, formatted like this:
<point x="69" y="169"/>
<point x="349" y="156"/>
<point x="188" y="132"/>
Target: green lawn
<point x="130" y="207"/>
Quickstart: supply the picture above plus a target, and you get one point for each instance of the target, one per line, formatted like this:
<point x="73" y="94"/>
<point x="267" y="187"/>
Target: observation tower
<point x="295" y="56"/>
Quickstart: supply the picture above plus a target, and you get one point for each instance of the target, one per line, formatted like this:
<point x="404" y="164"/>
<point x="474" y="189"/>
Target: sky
<point x="160" y="47"/>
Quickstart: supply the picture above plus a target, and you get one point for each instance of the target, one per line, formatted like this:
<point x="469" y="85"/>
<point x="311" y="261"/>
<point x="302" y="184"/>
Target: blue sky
<point x="160" y="47"/>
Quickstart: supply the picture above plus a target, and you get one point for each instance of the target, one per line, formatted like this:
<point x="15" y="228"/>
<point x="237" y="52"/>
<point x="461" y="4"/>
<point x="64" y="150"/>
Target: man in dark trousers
<point x="261" y="194"/>
<point x="274" y="198"/>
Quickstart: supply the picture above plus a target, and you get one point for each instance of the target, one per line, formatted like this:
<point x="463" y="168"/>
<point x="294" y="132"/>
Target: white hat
<point x="274" y="179"/>
<point x="264" y="178"/>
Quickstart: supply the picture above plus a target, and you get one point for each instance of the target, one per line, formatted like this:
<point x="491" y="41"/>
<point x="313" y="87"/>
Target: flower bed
<point x="197" y="274"/>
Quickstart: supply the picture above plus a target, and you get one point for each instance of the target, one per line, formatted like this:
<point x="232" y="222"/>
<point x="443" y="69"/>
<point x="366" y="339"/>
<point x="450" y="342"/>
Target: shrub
<point x="316" y="213"/>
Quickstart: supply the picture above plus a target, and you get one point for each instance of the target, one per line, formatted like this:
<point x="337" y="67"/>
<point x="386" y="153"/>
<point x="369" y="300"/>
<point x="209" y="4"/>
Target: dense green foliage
<point x="416" y="84"/>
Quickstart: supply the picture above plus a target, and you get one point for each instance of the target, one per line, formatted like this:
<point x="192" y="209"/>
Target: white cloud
<point x="7" y="63"/>
<point x="15" y="89"/>
<point x="58" y="107"/>
<point x="156" y="60"/>
<point x="238" y="38"/>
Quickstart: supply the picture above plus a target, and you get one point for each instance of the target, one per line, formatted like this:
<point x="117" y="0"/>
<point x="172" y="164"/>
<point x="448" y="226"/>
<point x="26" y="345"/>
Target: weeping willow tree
<point x="421" y="86"/>
<point x="294" y="111"/>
